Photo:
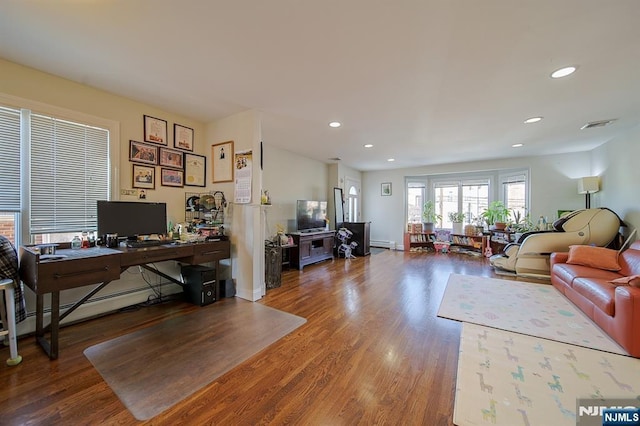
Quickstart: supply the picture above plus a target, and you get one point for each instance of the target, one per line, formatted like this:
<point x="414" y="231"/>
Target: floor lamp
<point x="588" y="185"/>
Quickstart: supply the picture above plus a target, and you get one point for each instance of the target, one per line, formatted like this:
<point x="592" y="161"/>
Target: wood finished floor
<point x="372" y="352"/>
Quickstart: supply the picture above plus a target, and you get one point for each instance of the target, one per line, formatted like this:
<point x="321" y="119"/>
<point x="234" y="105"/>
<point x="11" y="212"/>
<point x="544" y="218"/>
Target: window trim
<point x="61" y="113"/>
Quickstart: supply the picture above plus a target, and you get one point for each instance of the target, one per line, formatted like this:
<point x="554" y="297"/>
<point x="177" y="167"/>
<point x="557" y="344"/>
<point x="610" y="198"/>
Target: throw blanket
<point x="9" y="269"/>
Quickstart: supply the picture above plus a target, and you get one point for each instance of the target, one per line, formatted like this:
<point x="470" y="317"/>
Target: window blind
<point x="69" y="174"/>
<point x="10" y="155"/>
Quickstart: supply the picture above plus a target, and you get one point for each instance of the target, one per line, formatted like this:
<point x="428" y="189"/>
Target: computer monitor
<point x="131" y="218"/>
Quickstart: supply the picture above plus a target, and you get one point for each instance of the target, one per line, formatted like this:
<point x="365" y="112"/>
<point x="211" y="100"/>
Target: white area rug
<point x="534" y="309"/>
<point x="513" y="379"/>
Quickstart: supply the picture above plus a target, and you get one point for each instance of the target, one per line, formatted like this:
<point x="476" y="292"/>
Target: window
<point x="415" y="201"/>
<point x="10" y="173"/>
<point x="514" y="190"/>
<point x="469" y="193"/>
<point x="65" y="169"/>
<point x="469" y="196"/>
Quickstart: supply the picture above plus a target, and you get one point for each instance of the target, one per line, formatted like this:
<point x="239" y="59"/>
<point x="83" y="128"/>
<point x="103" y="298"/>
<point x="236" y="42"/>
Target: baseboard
<point x="93" y="308"/>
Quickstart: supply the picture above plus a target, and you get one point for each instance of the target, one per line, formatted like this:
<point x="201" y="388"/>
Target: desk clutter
<point x="204" y="213"/>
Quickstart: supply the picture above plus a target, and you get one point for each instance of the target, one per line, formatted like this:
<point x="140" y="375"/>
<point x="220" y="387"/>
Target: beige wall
<point x="20" y="84"/>
<point x="32" y="85"/>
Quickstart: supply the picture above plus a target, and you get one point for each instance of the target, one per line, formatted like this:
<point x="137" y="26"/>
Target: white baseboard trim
<point x="93" y="308"/>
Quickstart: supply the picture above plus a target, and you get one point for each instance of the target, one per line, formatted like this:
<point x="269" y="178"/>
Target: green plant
<point x="429" y="214"/>
<point x="524" y="225"/>
<point x="456" y="217"/>
<point x="496" y="212"/>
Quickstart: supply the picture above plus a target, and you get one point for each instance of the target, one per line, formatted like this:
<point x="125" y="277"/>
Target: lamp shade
<point x="588" y="185"/>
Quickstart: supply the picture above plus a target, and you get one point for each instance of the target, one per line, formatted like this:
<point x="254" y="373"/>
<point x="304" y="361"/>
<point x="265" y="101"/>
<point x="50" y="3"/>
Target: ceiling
<point x="425" y="81"/>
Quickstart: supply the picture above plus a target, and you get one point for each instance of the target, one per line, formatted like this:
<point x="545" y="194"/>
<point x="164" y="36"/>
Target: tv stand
<point x="311" y="247"/>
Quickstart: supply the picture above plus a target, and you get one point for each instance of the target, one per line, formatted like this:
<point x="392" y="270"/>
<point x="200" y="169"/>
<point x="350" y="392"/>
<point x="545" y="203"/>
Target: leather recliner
<point x="530" y="255"/>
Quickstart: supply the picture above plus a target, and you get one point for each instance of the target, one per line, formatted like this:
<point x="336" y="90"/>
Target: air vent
<point x="600" y="123"/>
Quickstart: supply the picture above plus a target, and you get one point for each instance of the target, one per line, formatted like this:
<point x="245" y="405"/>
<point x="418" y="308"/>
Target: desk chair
<point x="9" y="280"/>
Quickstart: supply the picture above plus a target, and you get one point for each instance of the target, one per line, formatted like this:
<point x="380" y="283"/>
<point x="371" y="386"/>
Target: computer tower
<point x="199" y="284"/>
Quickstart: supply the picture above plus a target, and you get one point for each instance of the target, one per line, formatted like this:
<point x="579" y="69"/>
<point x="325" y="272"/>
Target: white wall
<point x="553" y="188"/>
<point x="616" y="163"/>
<point x="290" y="177"/>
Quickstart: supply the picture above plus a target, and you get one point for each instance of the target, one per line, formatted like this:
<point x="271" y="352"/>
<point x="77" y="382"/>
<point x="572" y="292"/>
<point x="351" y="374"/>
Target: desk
<point x="99" y="265"/>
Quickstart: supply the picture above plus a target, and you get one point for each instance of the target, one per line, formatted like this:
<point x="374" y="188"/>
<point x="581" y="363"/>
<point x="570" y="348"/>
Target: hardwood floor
<point x="372" y="352"/>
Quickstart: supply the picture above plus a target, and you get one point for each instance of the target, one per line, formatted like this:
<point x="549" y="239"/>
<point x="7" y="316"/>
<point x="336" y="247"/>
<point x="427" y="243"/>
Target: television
<point x="311" y="215"/>
<point x="131" y="218"/>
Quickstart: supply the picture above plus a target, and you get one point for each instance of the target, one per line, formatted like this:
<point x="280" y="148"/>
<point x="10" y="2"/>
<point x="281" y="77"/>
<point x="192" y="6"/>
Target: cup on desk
<point x="112" y="240"/>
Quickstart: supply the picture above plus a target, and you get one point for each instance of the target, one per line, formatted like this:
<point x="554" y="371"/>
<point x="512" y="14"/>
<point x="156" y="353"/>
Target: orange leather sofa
<point x="614" y="308"/>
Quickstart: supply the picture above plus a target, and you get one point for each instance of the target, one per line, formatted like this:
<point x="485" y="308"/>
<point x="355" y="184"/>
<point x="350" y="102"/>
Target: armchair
<point x="530" y="255"/>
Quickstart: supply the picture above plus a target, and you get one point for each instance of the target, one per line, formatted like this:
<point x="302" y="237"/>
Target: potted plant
<point x="456" y="219"/>
<point x="429" y="217"/>
<point x="497" y="215"/>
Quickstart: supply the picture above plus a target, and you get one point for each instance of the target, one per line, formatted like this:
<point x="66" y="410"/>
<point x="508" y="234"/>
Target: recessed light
<point x="368" y="145"/>
<point x="391" y="159"/>
<point x="563" y="72"/>
<point x="517" y="145"/>
<point x="532" y="120"/>
<point x="335" y="124"/>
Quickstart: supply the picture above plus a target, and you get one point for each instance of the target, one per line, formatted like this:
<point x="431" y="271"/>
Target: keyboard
<point x="145" y="243"/>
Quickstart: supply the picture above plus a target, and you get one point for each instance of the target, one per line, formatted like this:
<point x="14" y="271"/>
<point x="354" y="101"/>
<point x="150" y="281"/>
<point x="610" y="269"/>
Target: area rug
<point x="529" y="308"/>
<point x="152" y="369"/>
<point x="509" y="379"/>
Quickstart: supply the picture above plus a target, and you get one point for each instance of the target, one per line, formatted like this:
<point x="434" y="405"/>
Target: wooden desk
<point x="99" y="265"/>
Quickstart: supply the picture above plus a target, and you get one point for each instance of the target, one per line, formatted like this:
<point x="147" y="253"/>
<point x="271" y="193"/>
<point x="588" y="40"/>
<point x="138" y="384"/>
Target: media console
<point x="311" y="247"/>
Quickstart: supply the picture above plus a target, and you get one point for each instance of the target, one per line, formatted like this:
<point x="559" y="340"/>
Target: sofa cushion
<point x="568" y="273"/>
<point x="600" y="292"/>
<point x="630" y="260"/>
<point x="595" y="257"/>
<point x="633" y="281"/>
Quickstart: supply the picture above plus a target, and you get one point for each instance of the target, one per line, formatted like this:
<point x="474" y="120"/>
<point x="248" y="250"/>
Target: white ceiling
<point x="425" y="81"/>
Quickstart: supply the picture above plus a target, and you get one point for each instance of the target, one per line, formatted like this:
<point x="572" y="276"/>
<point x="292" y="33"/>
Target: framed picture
<point x="155" y="130"/>
<point x="171" y="158"/>
<point x="143" y="153"/>
<point x="195" y="169"/>
<point x="182" y="137"/>
<point x="172" y="177"/>
<point x="222" y="162"/>
<point x="143" y="177"/>
<point x="386" y="188"/>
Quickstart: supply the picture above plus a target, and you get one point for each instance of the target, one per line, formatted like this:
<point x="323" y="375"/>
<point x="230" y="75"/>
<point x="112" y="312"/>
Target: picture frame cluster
<point x="179" y="166"/>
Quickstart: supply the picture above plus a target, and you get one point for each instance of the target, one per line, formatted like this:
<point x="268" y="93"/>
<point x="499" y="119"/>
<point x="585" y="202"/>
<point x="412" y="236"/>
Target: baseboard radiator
<point x="384" y="244"/>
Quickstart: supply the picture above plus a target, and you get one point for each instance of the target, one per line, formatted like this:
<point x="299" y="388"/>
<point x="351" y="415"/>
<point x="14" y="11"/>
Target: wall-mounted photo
<point x="386" y="188"/>
<point x="182" y="137"/>
<point x="143" y="177"/>
<point x="222" y="162"/>
<point x="143" y="153"/>
<point x="155" y="130"/>
<point x="171" y="177"/>
<point x="195" y="169"/>
<point x="171" y="158"/>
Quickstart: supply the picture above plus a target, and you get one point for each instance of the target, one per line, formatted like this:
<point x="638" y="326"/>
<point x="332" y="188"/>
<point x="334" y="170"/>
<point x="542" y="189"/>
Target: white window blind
<point x="10" y="155"/>
<point x="69" y="174"/>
